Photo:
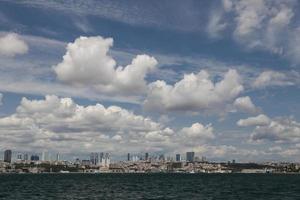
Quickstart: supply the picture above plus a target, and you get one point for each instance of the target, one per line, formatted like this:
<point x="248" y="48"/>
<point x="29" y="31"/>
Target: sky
<point x="220" y="78"/>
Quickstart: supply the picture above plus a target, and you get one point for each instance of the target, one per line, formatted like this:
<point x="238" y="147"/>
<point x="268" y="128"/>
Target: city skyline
<point x="218" y="78"/>
<point x="96" y="157"/>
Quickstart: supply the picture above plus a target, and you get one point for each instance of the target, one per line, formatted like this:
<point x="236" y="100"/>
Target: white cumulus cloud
<point x="276" y="129"/>
<point x="87" y="63"/>
<point x="245" y="104"/>
<point x="281" y="129"/>
<point x="260" y="24"/>
<point x="198" y="131"/>
<point x="59" y="124"/>
<point x="195" y="92"/>
<point x="11" y="44"/>
<point x="259" y="120"/>
<point x="271" y="78"/>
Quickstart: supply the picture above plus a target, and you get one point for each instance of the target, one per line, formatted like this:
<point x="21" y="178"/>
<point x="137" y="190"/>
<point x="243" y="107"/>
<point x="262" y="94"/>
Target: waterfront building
<point x="7" y="156"/>
<point x="85" y="162"/>
<point x="77" y="161"/>
<point x="190" y="156"/>
<point x="178" y="158"/>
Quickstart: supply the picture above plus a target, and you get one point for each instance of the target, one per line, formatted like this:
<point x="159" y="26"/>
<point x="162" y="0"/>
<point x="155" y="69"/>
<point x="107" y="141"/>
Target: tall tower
<point x="57" y="157"/>
<point x="43" y="156"/>
<point x="7" y="156"/>
<point x="178" y="157"/>
<point x="128" y="157"/>
<point x="190" y="156"/>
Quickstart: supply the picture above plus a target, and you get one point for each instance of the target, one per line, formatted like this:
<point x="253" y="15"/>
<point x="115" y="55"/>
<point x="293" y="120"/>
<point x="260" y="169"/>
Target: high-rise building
<point x="57" y="157"/>
<point x="178" y="157"/>
<point x="19" y="156"/>
<point x="190" y="156"/>
<point x="128" y="157"/>
<point x="43" y="156"/>
<point x="94" y="158"/>
<point x="25" y="156"/>
<point x="101" y="157"/>
<point x="105" y="160"/>
<point x="146" y="156"/>
<point x="7" y="156"/>
<point x="34" y="158"/>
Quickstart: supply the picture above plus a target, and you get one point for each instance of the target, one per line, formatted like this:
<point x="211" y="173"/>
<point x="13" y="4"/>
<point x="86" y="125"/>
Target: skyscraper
<point x="7" y="156"/>
<point x="25" y="156"/>
<point x="128" y="157"/>
<point x="57" y="157"/>
<point x="94" y="158"/>
<point x="43" y="156"/>
<point x="178" y="158"/>
<point x="190" y="156"/>
<point x="105" y="160"/>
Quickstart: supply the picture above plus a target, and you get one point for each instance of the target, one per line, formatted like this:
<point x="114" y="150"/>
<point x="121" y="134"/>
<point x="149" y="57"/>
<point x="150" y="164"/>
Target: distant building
<point x="101" y="157"/>
<point x="162" y="157"/>
<point x="94" y="158"/>
<point x="106" y="160"/>
<point x="43" y="156"/>
<point x="77" y="161"/>
<point x="135" y="158"/>
<point x="25" y="156"/>
<point x="178" y="158"/>
<point x="190" y="156"/>
<point x="7" y="156"/>
<point x="146" y="156"/>
<point x="35" y="158"/>
<point x="128" y="157"/>
<point x="57" y="157"/>
<point x="85" y="162"/>
<point x="19" y="156"/>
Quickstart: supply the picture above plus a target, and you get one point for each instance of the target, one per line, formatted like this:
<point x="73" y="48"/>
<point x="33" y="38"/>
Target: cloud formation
<point x="87" y="63"/>
<point x="280" y="129"/>
<point x="271" y="78"/>
<point x="1" y="96"/>
<point x="245" y="104"/>
<point x="260" y="120"/>
<point x="260" y="24"/>
<point x="198" y="131"/>
<point x="11" y="44"/>
<point x="195" y="92"/>
<point x="59" y="124"/>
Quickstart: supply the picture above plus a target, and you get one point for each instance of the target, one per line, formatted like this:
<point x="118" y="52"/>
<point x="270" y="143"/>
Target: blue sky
<point x="220" y="78"/>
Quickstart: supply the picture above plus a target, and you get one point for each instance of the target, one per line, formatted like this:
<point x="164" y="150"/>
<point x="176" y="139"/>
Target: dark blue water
<point x="149" y="186"/>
